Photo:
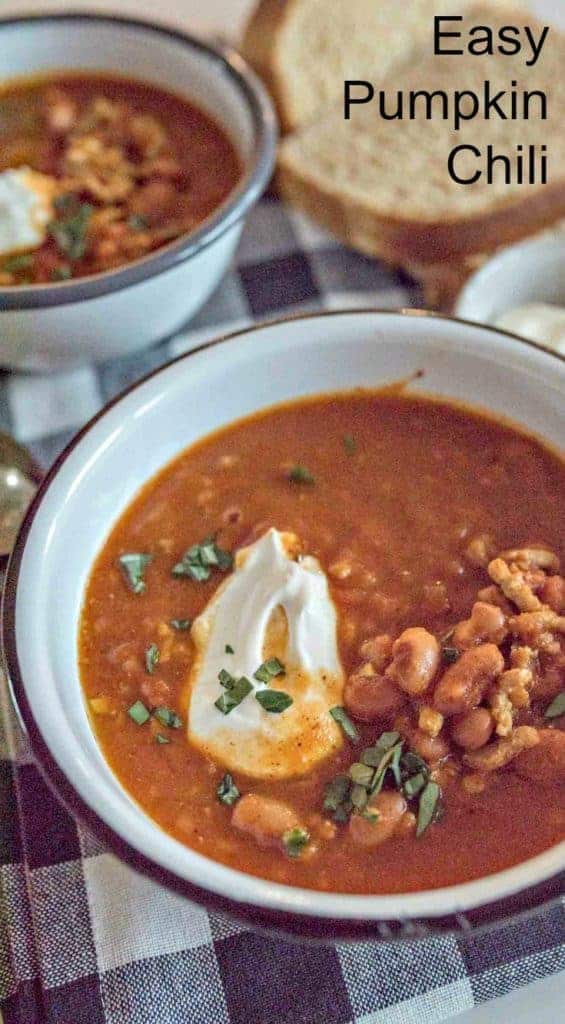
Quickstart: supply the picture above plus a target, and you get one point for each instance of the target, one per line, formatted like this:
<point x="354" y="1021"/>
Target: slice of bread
<point x="383" y="186"/>
<point x="304" y="49"/>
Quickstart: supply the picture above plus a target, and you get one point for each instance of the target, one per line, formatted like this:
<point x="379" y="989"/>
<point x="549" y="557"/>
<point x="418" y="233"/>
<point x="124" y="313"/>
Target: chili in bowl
<point x="127" y="193"/>
<point x="311" y="668"/>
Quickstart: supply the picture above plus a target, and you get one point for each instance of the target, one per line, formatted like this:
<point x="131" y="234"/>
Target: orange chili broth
<point x="425" y="477"/>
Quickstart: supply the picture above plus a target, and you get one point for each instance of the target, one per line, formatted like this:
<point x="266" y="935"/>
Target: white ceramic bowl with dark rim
<point x="104" y="468"/>
<point x="52" y="326"/>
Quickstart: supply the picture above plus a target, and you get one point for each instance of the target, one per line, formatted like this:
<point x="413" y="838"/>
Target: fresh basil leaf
<point x="181" y="625"/>
<point x="198" y="562"/>
<point x="340" y="716"/>
<point x="557" y="707"/>
<point x="229" y="649"/>
<point x="139" y="713"/>
<point x="414" y="785"/>
<point x="300" y="475"/>
<point x="133" y="567"/>
<point x="273" y="701"/>
<point x="374" y="755"/>
<point x="159" y="738"/>
<point x="295" y="840"/>
<point x="269" y="670"/>
<point x="70" y="233"/>
<point x="137" y="223"/>
<point x="236" y="691"/>
<point x="20" y="261"/>
<point x="359" y="797"/>
<point x="336" y="792"/>
<point x="226" y="679"/>
<point x="167" y="717"/>
<point x="227" y="791"/>
<point x="151" y="658"/>
<point x="361" y="774"/>
<point x="427" y="807"/>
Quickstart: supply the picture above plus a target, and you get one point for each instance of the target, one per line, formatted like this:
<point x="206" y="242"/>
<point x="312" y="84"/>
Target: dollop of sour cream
<point x="26" y="207"/>
<point x="538" y="321"/>
<point x="276" y="604"/>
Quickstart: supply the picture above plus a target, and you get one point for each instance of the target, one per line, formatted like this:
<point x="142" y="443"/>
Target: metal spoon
<point x="19" y="477"/>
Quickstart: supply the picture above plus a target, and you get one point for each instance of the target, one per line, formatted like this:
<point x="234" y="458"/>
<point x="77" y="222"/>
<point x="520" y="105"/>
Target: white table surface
<point x="542" y="1002"/>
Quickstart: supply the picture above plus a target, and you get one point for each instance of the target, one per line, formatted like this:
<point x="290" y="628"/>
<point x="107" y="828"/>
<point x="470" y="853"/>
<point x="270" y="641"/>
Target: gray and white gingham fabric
<point x="84" y="940"/>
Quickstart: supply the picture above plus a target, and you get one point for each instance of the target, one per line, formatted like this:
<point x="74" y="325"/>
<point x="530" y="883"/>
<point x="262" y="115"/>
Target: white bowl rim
<point x="307" y="913"/>
<point x="507" y="258"/>
<point x="234" y="208"/>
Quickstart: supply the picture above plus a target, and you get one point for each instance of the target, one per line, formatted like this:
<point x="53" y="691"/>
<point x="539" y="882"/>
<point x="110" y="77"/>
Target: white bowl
<point x="99" y="474"/>
<point x="51" y="326"/>
<point x="533" y="271"/>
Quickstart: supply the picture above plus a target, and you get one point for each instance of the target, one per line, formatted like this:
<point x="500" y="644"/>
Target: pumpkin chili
<point x="440" y="533"/>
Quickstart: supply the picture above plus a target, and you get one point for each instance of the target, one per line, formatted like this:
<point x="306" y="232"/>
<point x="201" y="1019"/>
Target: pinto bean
<point x="472" y="730"/>
<point x="499" y="754"/>
<point x="415" y="660"/>
<point x="487" y="624"/>
<point x="377" y="650"/>
<point x="465" y="683"/>
<point x="431" y="748"/>
<point x="369" y="697"/>
<point x="532" y="558"/>
<point x="391" y="808"/>
<point x="264" y="819"/>
<point x="544" y="763"/>
<point x="553" y="593"/>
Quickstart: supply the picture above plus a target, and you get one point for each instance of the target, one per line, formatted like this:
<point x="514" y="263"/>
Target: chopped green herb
<point x="235" y="692"/>
<point x="390" y="760"/>
<point x="413" y="764"/>
<point x="273" y="701"/>
<point x="370" y="815"/>
<point x="269" y="670"/>
<point x="361" y="774"/>
<point x="340" y="716"/>
<point x="414" y="785"/>
<point x="197" y="563"/>
<point x="70" y="233"/>
<point x="167" y="717"/>
<point x="151" y="658"/>
<point x="139" y="713"/>
<point x="295" y="840"/>
<point x="137" y="223"/>
<point x="359" y="797"/>
<point x="557" y="707"/>
<point x="133" y="567"/>
<point x="61" y="273"/>
<point x="374" y="755"/>
<point x="65" y="201"/>
<point x="229" y="649"/>
<point x="181" y="625"/>
<point x="428" y="807"/>
<point x="14" y="264"/>
<point x="226" y="678"/>
<point x="350" y="444"/>
<point x="300" y="475"/>
<point x="159" y="738"/>
<point x="450" y="655"/>
<point x="227" y="791"/>
<point x="337" y="791"/>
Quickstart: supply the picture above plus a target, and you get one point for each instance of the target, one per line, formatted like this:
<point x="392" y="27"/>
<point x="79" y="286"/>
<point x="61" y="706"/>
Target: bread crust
<point x="260" y="49"/>
<point x="404" y="242"/>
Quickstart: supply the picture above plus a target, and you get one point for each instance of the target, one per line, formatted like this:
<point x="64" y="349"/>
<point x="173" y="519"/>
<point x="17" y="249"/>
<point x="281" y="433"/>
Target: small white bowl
<point x="533" y="271"/>
<point x="48" y="327"/>
<point x="97" y="477"/>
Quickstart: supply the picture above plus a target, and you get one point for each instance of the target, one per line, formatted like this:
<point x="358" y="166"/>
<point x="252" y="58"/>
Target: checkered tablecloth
<point x="84" y="940"/>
